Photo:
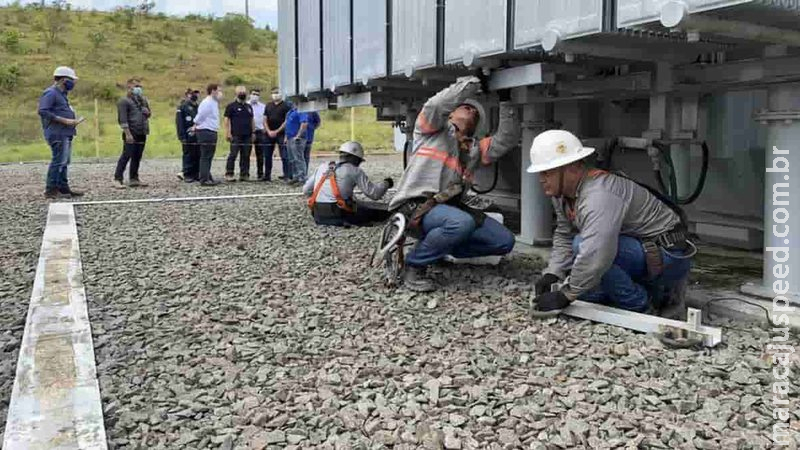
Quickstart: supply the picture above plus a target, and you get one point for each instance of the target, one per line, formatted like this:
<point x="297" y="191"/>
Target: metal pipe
<point x="781" y="211"/>
<point x="675" y="14"/>
<point x="536" y="209"/>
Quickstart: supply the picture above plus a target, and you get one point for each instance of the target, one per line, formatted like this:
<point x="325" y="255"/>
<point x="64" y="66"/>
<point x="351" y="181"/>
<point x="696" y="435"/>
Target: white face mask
<point x="276" y="97"/>
<point x="254" y="98"/>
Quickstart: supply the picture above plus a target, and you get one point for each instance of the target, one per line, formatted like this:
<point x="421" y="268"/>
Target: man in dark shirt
<point x="58" y="124"/>
<point x="276" y="123"/>
<point x="133" y="113"/>
<point x="239" y="129"/>
<point x="184" y="121"/>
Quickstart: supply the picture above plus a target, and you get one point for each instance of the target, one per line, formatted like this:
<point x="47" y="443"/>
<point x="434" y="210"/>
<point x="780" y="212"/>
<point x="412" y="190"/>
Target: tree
<point x="54" y="21"/>
<point x="232" y="31"/>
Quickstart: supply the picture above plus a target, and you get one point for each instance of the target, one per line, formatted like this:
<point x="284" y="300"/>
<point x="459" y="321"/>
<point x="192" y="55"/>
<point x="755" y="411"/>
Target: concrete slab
<point x="55" y="402"/>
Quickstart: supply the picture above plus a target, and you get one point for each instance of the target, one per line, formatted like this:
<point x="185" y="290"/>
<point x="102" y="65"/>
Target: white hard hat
<point x="481" y="126"/>
<point x="65" y="71"/>
<point x="352" y="148"/>
<point x="556" y="148"/>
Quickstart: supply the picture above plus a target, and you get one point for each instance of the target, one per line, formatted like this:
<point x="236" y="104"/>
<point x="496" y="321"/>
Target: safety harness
<point x="330" y="175"/>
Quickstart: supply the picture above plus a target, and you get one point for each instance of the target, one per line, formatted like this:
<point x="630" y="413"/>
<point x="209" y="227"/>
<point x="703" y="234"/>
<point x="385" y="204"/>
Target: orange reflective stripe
<point x="484" y="145"/>
<point x="425" y="126"/>
<point x="597" y="172"/>
<point x="451" y="162"/>
<point x="335" y="187"/>
<point x="313" y="199"/>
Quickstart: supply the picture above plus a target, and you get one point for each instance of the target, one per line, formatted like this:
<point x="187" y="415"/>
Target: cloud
<point x="262" y="11"/>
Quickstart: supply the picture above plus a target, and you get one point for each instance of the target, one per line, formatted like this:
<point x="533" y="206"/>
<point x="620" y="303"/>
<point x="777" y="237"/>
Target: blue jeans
<point x="297" y="148"/>
<point x="448" y="230"/>
<point x="61" y="150"/>
<point x="626" y="284"/>
<point x="307" y="153"/>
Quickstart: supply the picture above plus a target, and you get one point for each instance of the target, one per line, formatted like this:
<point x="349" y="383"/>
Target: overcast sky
<point x="262" y="11"/>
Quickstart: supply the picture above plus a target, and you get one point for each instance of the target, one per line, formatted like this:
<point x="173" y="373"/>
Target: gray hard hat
<point x="352" y="148"/>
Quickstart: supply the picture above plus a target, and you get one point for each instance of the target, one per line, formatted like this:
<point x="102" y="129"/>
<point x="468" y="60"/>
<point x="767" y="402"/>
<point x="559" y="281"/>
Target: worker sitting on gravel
<point x="449" y="145"/>
<point x="330" y="190"/>
<point x="623" y="245"/>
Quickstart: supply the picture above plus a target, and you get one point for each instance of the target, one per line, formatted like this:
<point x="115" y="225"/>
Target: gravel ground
<point x="240" y="324"/>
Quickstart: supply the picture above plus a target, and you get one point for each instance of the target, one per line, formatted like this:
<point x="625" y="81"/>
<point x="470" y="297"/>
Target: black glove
<point x="484" y="80"/>
<point x="550" y="301"/>
<point x="389" y="183"/>
<point x="504" y="95"/>
<point x="543" y="285"/>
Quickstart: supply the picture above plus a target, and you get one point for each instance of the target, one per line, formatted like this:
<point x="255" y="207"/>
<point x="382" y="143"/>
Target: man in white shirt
<point x="206" y="125"/>
<point x="260" y="135"/>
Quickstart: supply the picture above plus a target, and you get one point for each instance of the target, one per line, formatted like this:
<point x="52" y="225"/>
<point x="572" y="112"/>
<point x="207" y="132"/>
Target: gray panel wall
<point x="573" y="18"/>
<point x="308" y="35"/>
<point x="286" y="41"/>
<point x="336" y="57"/>
<point x="635" y="12"/>
<point x="477" y="27"/>
<point x="413" y="34"/>
<point x="369" y="39"/>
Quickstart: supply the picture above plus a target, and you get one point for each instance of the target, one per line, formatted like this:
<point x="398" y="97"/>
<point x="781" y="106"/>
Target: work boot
<point x="51" y="194"/>
<point x="415" y="279"/>
<point x="137" y="183"/>
<point x="71" y="193"/>
<point x="260" y="178"/>
<point x="209" y="183"/>
<point x="674" y="306"/>
<point x="229" y="177"/>
<point x="119" y="184"/>
<point x="244" y="178"/>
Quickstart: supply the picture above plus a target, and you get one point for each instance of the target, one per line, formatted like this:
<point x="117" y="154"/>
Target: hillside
<point x="168" y="54"/>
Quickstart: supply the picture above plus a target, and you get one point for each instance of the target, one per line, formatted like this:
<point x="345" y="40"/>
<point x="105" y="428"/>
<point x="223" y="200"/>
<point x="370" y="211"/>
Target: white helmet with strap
<point x="556" y="148"/>
<point x="64" y="71"/>
<point x="481" y="128"/>
<point x="352" y="148"/>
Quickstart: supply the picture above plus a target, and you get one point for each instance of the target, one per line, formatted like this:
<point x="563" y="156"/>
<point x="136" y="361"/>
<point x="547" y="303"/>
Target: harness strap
<point x="329" y="175"/>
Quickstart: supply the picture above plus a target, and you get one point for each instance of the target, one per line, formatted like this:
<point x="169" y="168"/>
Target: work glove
<point x="389" y="183"/>
<point x="543" y="285"/>
<point x="484" y="80"/>
<point x="551" y="301"/>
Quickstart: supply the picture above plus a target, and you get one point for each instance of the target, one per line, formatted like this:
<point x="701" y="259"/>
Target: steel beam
<point x="745" y="73"/>
<point x="527" y="75"/>
<point x="313" y="105"/>
<point x="351" y="100"/>
<point x="644" y="322"/>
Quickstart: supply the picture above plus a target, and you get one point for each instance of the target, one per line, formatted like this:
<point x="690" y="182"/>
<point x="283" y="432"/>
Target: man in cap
<point x="449" y="145"/>
<point x="133" y="113"/>
<point x="58" y="123"/>
<point x="239" y="129"/>
<point x="622" y="245"/>
<point x="330" y="190"/>
<point x="184" y="122"/>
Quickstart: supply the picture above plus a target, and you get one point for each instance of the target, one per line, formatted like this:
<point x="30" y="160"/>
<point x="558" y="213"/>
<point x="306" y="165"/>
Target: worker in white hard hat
<point x="450" y="143"/>
<point x="330" y="190"/>
<point x="621" y="243"/>
<point x="59" y="122"/>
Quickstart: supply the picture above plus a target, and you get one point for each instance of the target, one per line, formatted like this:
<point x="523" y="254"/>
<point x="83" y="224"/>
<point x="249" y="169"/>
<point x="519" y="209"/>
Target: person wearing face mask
<point x="259" y="136"/>
<point x="239" y="128"/>
<point x="184" y="121"/>
<point x="58" y="123"/>
<point x="133" y="114"/>
<point x="448" y="147"/>
<point x="206" y="126"/>
<point x="276" y="113"/>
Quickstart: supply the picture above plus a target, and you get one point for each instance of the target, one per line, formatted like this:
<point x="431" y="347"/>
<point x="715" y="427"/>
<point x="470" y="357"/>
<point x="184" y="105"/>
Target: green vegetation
<point x="106" y="49"/>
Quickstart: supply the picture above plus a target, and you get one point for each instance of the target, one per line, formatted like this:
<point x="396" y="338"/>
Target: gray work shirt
<point x="348" y="177"/>
<point x="133" y="114"/>
<point x="606" y="206"/>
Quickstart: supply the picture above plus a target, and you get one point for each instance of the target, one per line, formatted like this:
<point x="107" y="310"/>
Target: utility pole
<point x="247" y="9"/>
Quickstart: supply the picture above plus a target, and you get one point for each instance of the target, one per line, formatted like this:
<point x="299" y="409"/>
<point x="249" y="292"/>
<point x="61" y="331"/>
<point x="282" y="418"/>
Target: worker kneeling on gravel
<point x="330" y="190"/>
<point x="447" y="149"/>
<point x="622" y="245"/>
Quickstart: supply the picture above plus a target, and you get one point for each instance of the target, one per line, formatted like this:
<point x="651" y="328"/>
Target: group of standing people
<point x="248" y="123"/>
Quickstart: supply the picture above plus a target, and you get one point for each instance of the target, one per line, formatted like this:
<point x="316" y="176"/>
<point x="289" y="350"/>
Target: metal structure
<point x="672" y="74"/>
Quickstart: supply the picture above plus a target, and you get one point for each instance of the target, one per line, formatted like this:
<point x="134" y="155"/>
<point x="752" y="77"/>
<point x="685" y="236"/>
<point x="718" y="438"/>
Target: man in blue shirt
<point x="59" y="122"/>
<point x="296" y="127"/>
<point x="314" y="122"/>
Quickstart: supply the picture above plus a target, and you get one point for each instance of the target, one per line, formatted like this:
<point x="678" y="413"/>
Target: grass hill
<point x="168" y="54"/>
